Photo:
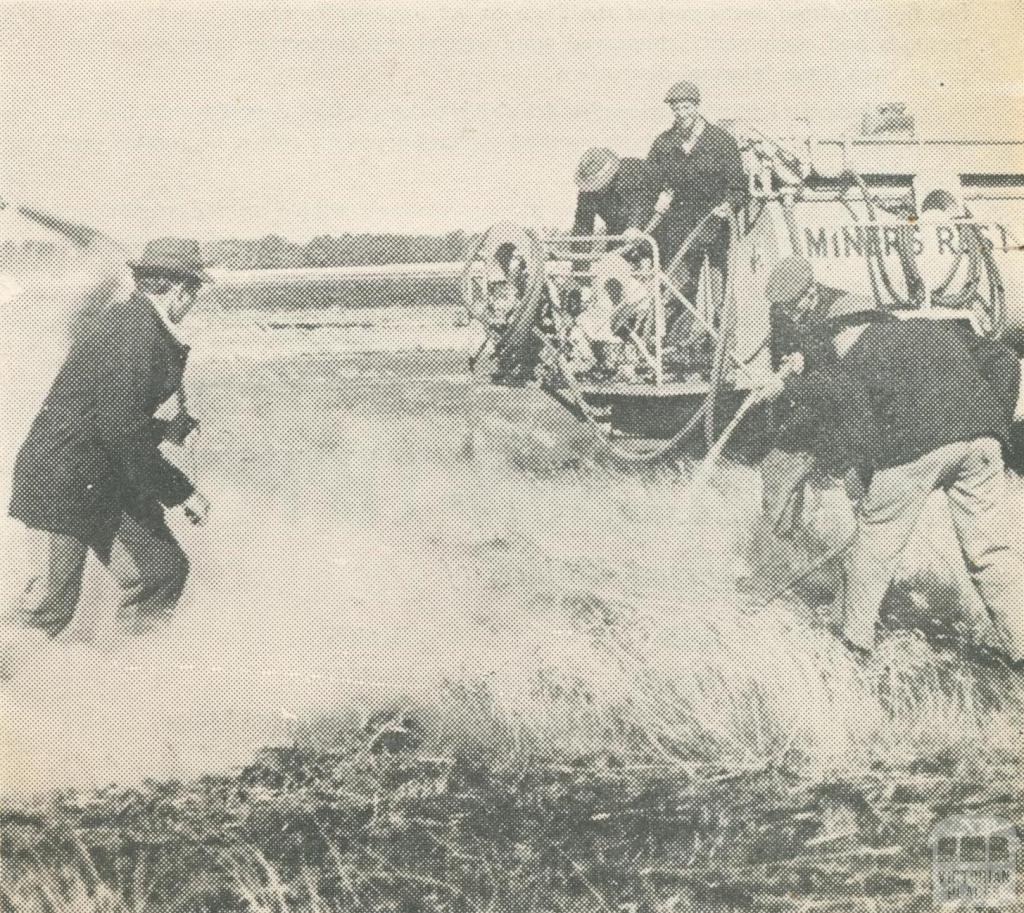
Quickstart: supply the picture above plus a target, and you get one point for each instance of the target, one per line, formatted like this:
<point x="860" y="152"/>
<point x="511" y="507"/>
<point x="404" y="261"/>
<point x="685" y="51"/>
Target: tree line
<point x="277" y="252"/>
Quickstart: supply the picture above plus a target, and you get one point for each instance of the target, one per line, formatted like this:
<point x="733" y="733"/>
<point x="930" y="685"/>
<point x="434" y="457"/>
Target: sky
<point x="238" y="120"/>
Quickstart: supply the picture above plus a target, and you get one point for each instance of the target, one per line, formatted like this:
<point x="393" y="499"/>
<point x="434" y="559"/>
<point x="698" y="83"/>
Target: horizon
<point x="225" y="121"/>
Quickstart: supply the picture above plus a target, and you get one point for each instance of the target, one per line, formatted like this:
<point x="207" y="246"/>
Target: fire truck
<point x="922" y="227"/>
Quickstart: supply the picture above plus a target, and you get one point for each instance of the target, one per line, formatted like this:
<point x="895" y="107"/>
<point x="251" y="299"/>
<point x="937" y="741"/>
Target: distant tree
<point x="454" y="245"/>
<point x="276" y="252"/>
<point x="230" y="254"/>
<point x="323" y="250"/>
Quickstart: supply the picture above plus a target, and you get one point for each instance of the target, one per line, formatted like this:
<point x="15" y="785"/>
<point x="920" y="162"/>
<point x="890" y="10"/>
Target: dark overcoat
<point x="92" y="453"/>
<point x="627" y="202"/>
<point x="710" y="174"/>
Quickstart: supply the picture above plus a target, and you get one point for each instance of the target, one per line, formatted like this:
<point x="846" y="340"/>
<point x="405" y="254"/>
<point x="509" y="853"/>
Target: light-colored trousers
<point x="150" y="570"/>
<point x="972" y="475"/>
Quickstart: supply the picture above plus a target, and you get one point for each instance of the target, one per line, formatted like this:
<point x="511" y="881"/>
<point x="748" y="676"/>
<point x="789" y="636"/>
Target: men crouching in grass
<point x="921" y="406"/>
<point x="90" y="475"/>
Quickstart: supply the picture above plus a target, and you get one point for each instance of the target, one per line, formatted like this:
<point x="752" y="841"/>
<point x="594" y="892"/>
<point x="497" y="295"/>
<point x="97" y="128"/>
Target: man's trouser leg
<point x="49" y="599"/>
<point x="886" y="519"/>
<point x="981" y="517"/>
<point x="151" y="570"/>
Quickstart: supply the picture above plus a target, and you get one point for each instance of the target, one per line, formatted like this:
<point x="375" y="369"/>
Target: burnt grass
<point x="382" y="826"/>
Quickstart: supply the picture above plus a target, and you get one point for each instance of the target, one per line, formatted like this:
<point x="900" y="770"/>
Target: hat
<point x="789" y="280"/>
<point x="596" y="169"/>
<point x="850" y="310"/>
<point x="503" y="254"/>
<point x="683" y="91"/>
<point x="179" y="258"/>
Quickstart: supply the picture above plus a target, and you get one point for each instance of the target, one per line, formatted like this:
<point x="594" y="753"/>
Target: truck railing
<point x="589" y="249"/>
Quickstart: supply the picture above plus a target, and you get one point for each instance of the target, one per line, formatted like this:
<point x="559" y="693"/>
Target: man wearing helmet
<point x="920" y="406"/>
<point x="698" y="168"/>
<point x="619" y="192"/>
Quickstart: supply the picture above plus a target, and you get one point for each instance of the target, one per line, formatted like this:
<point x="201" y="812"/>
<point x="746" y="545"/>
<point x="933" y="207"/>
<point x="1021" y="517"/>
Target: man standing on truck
<point x="941" y="401"/>
<point x="699" y="171"/>
<point x="90" y="475"/>
<point x="619" y="192"/>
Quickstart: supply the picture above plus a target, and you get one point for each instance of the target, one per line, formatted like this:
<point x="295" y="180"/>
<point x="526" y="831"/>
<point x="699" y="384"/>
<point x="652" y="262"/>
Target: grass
<point x="311" y="832"/>
<point x="609" y="724"/>
<point x="654" y="754"/>
<point x="638" y="783"/>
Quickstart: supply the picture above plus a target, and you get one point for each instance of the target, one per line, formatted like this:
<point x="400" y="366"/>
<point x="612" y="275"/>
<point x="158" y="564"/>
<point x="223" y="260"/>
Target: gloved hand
<point x="663" y="202"/>
<point x="792" y="363"/>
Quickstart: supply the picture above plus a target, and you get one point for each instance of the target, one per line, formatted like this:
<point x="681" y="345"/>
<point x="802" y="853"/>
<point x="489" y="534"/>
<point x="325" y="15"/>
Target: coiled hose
<point x="992" y="316"/>
<point x="513" y="344"/>
<point x="510" y="345"/>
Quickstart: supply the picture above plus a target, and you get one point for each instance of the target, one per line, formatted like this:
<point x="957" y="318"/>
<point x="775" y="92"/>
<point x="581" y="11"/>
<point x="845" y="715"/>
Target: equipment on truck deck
<point x="603" y="327"/>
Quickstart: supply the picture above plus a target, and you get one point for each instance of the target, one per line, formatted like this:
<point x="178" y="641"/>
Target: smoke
<point x="355" y="565"/>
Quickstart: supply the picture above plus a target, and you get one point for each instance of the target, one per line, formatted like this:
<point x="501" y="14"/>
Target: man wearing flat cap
<point x="699" y="170"/>
<point x="941" y="402"/>
<point x="90" y="475"/>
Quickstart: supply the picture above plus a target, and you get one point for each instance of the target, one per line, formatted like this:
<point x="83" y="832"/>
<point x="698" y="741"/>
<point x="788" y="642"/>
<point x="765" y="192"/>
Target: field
<point x="406" y="680"/>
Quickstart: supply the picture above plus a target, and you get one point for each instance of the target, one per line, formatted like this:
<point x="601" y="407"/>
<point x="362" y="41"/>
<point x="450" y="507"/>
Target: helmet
<point x="789" y="280"/>
<point x="503" y="240"/>
<point x="596" y="169"/>
<point x="939" y="200"/>
<point x="683" y="91"/>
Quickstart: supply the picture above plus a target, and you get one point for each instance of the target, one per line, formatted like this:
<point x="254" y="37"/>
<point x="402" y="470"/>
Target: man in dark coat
<point x="797" y="305"/>
<point x="941" y="416"/>
<point x="90" y="475"/>
<point x="698" y="166"/>
<point x="619" y="192"/>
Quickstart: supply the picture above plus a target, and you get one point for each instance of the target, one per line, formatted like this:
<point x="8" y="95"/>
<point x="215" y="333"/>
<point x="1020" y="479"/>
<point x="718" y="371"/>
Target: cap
<point x="684" y="90"/>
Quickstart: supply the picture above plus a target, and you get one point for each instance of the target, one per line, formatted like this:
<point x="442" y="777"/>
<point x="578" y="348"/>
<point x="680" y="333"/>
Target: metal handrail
<point x="650" y="278"/>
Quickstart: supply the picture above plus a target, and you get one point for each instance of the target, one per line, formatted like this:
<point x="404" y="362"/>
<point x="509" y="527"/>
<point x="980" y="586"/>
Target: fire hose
<point x="981" y="261"/>
<point x="727" y="331"/>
